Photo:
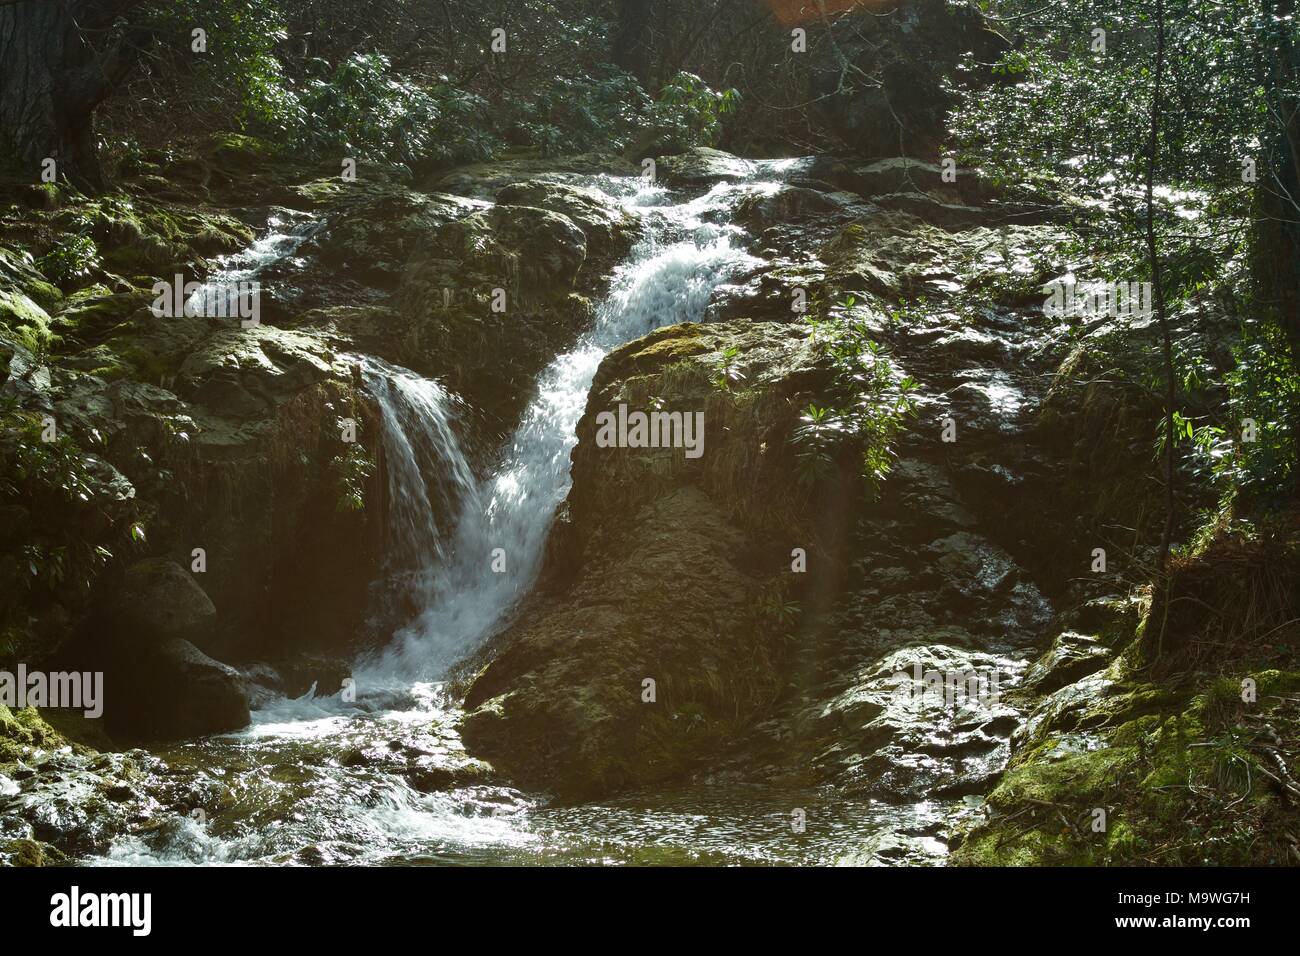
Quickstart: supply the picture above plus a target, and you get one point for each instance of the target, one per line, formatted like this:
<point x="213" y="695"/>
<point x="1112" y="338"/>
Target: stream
<point x="320" y="780"/>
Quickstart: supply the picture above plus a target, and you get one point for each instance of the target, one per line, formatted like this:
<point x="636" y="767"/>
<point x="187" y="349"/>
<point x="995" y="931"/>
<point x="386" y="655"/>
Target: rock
<point x="66" y="800"/>
<point x="609" y="230"/>
<point x="370" y="230"/>
<point x="453" y="313"/>
<point x="894" y="734"/>
<point x="702" y="167"/>
<point x="172" y="692"/>
<point x="18" y="273"/>
<point x="889" y="848"/>
<point x="25" y="321"/>
<point x="30" y="853"/>
<point x="530" y="253"/>
<point x="898" y="174"/>
<point x="430" y="775"/>
<point x="485" y="180"/>
<point x="793" y="220"/>
<point x="929" y="209"/>
<point x="245" y="373"/>
<point x="653" y="576"/>
<point x="158" y="602"/>
<point x="1070" y="658"/>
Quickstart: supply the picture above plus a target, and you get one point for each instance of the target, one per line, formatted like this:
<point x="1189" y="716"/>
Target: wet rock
<point x="63" y="800"/>
<point x="794" y="220"/>
<point x="788" y="206"/>
<point x="898" y="174"/>
<point x="889" y="848"/>
<point x="30" y="853"/>
<point x="175" y="691"/>
<point x="702" y="167"/>
<point x="609" y="230"/>
<point x="1070" y="658"/>
<point x="262" y="684"/>
<point x="430" y="775"/>
<point x="931" y="210"/>
<point x="929" y="719"/>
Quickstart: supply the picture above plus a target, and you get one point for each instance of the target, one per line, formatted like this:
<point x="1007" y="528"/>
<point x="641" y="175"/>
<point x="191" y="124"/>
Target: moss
<point x="30" y="853"/>
<point x="18" y="272"/>
<point x="25" y="321"/>
<point x="238" y="152"/>
<point x="1185" y="779"/>
<point x="22" y="730"/>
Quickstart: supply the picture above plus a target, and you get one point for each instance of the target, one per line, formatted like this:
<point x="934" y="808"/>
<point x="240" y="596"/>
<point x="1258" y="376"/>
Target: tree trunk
<point x="632" y="42"/>
<point x="59" y="60"/>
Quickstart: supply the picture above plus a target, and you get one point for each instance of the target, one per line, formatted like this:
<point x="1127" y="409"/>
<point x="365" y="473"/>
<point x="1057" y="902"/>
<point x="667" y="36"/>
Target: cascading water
<point x="670" y="278"/>
<point x="327" y="780"/>
<point x="429" y="478"/>
<point x="221" y="293"/>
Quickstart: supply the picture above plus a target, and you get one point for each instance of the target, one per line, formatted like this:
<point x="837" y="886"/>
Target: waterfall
<point x="429" y="478"/>
<point x="219" y="295"/>
<point x="495" y="550"/>
<point x="346" y="767"/>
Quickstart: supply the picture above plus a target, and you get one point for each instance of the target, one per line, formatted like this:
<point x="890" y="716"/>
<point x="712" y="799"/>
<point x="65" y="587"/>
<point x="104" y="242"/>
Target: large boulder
<point x="666" y="569"/>
<point x="236" y="447"/>
<point x="609" y="230"/>
<point x="702" y="167"/>
<point x="247" y="373"/>
<point x="370" y="229"/>
<point x="159" y="601"/>
<point x="492" y="299"/>
<point x="173" y="691"/>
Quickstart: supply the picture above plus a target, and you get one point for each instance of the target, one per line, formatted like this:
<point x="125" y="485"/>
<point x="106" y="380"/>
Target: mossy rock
<point x="18" y="272"/>
<point x="239" y="153"/>
<point x="1184" y="779"/>
<point x="23" y="730"/>
<point x="26" y="321"/>
<point x="30" y="853"/>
